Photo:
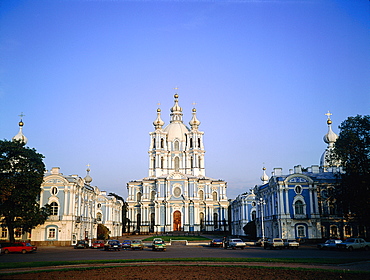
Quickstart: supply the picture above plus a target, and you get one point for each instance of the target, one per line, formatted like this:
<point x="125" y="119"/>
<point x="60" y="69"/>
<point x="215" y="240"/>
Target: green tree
<point x="352" y="150"/>
<point x="21" y="174"/>
<point x="103" y="232"/>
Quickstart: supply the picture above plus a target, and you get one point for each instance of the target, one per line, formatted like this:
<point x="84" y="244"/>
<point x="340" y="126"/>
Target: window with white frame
<point x="301" y="231"/>
<point x="54" y="208"/>
<point x="52" y="233"/>
<point x="299" y="207"/>
<point x="4" y="233"/>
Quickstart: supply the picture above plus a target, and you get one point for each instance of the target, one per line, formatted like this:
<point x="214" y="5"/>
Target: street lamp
<point x="261" y="203"/>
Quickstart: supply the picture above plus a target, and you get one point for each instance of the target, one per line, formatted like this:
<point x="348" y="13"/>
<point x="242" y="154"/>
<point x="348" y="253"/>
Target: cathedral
<point x="177" y="195"/>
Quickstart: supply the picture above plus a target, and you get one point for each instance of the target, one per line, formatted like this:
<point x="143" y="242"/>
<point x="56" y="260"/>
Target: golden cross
<point x="21" y="115"/>
<point x="176" y="88"/>
<point x="194" y="103"/>
<point x="159" y="103"/>
<point x="328" y="114"/>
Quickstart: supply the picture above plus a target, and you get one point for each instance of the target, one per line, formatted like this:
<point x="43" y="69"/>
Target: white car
<point x="234" y="243"/>
<point x="291" y="244"/>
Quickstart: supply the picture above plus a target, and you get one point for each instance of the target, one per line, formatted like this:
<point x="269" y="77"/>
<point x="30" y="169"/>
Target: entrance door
<point x="177" y="221"/>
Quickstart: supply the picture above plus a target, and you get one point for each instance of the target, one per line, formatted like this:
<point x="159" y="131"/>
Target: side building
<point x="76" y="210"/>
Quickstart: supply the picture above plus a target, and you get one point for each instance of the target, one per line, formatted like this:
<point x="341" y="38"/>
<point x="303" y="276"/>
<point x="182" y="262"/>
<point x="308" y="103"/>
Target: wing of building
<point x="177" y="195"/>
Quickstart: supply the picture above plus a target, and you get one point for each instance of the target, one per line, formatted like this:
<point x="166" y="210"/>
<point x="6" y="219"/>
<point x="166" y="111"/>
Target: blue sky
<point x="88" y="76"/>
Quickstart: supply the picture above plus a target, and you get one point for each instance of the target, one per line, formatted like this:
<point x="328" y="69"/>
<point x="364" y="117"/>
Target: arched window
<point x="215" y="220"/>
<point x="333" y="231"/>
<point x="177" y="164"/>
<point x="152" y="195"/>
<point x="191" y="162"/>
<point x="199" y="162"/>
<point x="298" y="207"/>
<point x="191" y="142"/>
<point x="162" y="162"/>
<point x="201" y="195"/>
<point x="301" y="231"/>
<point x="138" y="197"/>
<point x="99" y="217"/>
<point x="176" y="145"/>
<point x="153" y="143"/>
<point x="214" y="196"/>
<point x="54" y="208"/>
<point x="198" y="142"/>
<point x="201" y="220"/>
<point x="253" y="215"/>
<point x="162" y="144"/>
<point x="347" y="231"/>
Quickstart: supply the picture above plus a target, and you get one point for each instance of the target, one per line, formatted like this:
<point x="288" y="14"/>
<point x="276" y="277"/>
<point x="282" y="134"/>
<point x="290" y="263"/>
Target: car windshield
<point x="236" y="240"/>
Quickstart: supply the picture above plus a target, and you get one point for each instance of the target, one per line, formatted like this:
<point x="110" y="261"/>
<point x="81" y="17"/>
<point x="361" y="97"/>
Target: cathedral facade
<point x="177" y="195"/>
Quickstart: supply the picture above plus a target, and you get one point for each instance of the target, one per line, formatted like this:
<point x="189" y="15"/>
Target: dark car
<point x="329" y="244"/>
<point x="216" y="243"/>
<point x="82" y="244"/>
<point x="112" y="245"/>
<point x="18" y="247"/>
<point x="126" y="244"/>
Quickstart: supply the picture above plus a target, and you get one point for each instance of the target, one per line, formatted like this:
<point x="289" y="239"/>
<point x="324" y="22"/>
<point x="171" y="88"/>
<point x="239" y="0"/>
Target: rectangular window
<point x="18" y="233"/>
<point x="51" y="234"/>
<point x="4" y="233"/>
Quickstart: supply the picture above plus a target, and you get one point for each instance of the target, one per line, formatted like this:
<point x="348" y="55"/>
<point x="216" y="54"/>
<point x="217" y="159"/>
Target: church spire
<point x="20" y="136"/>
<point x="329" y="138"/>
<point x="158" y="123"/>
<point x="194" y="122"/>
<point x="264" y="177"/>
<point x="176" y="110"/>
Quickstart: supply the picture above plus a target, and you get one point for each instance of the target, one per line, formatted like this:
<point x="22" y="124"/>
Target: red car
<point x="18" y="247"/>
<point x="98" y="244"/>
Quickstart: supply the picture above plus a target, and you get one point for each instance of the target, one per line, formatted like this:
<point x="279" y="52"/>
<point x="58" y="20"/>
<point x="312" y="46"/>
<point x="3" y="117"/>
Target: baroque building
<point x="177" y="195"/>
<point x="76" y="209"/>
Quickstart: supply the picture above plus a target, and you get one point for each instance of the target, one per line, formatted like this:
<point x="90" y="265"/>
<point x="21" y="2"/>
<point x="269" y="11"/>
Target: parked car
<point x="137" y="244"/>
<point x="216" y="243"/>
<point x="98" y="244"/>
<point x="274" y="243"/>
<point x="112" y="245"/>
<point x="158" y="245"/>
<point x="234" y="243"/>
<point x="18" y="247"/>
<point x="291" y="243"/>
<point x="126" y="244"/>
<point x="329" y="244"/>
<point x="82" y="244"/>
<point x="261" y="242"/>
<point x="354" y="244"/>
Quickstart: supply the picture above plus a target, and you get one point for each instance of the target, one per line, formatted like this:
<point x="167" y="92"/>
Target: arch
<point x="162" y="162"/>
<point x="191" y="142"/>
<point x="138" y="197"/>
<point x="253" y="214"/>
<point x="191" y="162"/>
<point x="198" y="142"/>
<point x="299" y="207"/>
<point x="152" y="195"/>
<point x="138" y="222"/>
<point x="215" y="220"/>
<point x="177" y="164"/>
<point x="177" y="221"/>
<point x="301" y="231"/>
<point x="201" y="195"/>
<point x="176" y="145"/>
<point x="162" y="143"/>
<point x="333" y="231"/>
<point x="99" y="217"/>
<point x="347" y="231"/>
<point x="201" y="220"/>
<point x="152" y="222"/>
<point x="214" y="196"/>
<point x="54" y="209"/>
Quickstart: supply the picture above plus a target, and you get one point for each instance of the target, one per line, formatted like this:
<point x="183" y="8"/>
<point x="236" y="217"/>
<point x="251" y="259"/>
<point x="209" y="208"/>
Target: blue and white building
<point x="177" y="195"/>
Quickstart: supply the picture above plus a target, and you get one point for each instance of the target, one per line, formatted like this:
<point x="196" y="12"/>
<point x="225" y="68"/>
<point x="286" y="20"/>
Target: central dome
<point x="176" y="130"/>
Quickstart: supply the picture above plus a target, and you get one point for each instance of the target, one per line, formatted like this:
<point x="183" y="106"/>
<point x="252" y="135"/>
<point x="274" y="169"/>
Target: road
<point x="178" y="251"/>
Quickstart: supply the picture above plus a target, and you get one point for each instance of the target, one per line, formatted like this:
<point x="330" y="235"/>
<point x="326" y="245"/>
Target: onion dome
<point x="264" y="177"/>
<point x="194" y="122"/>
<point x="20" y="136"/>
<point x="88" y="179"/>
<point x="176" y="128"/>
<point x="158" y="123"/>
<point x="330" y="137"/>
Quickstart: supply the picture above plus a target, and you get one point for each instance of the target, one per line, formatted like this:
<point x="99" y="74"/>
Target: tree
<point x="21" y="174"/>
<point x="124" y="211"/>
<point x="103" y="232"/>
<point x="352" y="150"/>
